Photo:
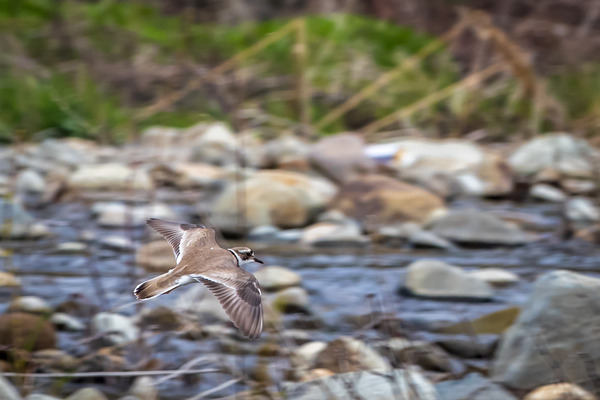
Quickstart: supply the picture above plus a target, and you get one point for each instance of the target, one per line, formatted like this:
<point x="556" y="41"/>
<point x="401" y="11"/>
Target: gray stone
<point x="7" y="390"/>
<point x="122" y="215"/>
<point x="66" y="322"/>
<point x="304" y="356"/>
<point x="559" y="321"/>
<point x="473" y="227"/>
<point x="582" y="209"/>
<point x="188" y="175"/>
<point x="472" y="387"/>
<point x="70" y="248"/>
<point x="495" y="276"/>
<point x="263" y="233"/>
<point x="115" y="328"/>
<point x="117" y="242"/>
<point x="87" y="394"/>
<point x="200" y="304"/>
<point x="16" y="223"/>
<point x="274" y="277"/>
<point x="327" y="234"/>
<point x="346" y="354"/>
<point x="144" y="388"/>
<point x="290" y="235"/>
<point x="31" y="305"/>
<point x="432" y="278"/>
<point x="559" y="151"/>
<point x="341" y="157"/>
<point x="542" y="191"/>
<point x="292" y="299"/>
<point x="217" y="145"/>
<point x="111" y="176"/>
<point x="30" y="181"/>
<point x="401" y="384"/>
<point x="288" y="152"/>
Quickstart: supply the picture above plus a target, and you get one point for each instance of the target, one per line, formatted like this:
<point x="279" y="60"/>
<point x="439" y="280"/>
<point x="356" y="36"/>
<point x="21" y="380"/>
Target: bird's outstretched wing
<point x="175" y="232"/>
<point x="239" y="293"/>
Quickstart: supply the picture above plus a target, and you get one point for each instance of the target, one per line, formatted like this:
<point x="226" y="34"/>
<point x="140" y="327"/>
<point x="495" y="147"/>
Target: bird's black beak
<point x="258" y="260"/>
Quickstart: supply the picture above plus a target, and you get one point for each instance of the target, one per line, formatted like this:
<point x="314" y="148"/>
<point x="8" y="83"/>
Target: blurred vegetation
<point x="85" y="69"/>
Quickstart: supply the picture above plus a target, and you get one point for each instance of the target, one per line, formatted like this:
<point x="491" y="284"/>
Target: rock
<point x="414" y="234"/>
<point x="545" y="192"/>
<point x="578" y="186"/>
<point x="70" y="248"/>
<point x="493" y="323"/>
<point x="115" y="329"/>
<point x="288" y="152"/>
<point x="558" y="320"/>
<point x="26" y="331"/>
<point x="69" y="152"/>
<point x="40" y="396"/>
<point x="347" y="354"/>
<point x="280" y="198"/>
<point x="472" y="387"/>
<point x="316" y="373"/>
<point x="327" y="234"/>
<point x="263" y="233"/>
<point x="104" y="359"/>
<point x="468" y="346"/>
<point x="274" y="277"/>
<point x="341" y="157"/>
<point x="16" y="223"/>
<point x="431" y="278"/>
<point x="495" y="276"/>
<point x="159" y="136"/>
<point x="109" y="176"/>
<point x="402" y="384"/>
<point x="156" y="256"/>
<point x="87" y="394"/>
<point x="30" y="181"/>
<point x="473" y="227"/>
<point x="426" y="355"/>
<point x="559" y="151"/>
<point x="217" y="145"/>
<point x="200" y="304"/>
<point x="581" y="209"/>
<point x="9" y="280"/>
<point x="53" y="360"/>
<point x="161" y="318"/>
<point x="188" y="175"/>
<point x="377" y="200"/>
<point x="117" y="242"/>
<point x="121" y="215"/>
<point x="31" y="305"/>
<point x="144" y="388"/>
<point x="290" y="235"/>
<point x="291" y="300"/>
<point x="66" y="322"/>
<point x="7" y="390"/>
<point x="560" y="391"/>
<point x="305" y="356"/>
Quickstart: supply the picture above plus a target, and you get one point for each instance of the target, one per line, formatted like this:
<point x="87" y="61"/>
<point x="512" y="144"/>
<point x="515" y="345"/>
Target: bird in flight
<point x="200" y="259"/>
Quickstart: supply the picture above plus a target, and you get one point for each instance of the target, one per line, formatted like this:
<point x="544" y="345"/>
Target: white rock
<point x="117" y="242"/>
<point x="67" y="322"/>
<point x="326" y="234"/>
<point x="274" y="277"/>
<point x="432" y="278"/>
<point x="120" y="215"/>
<point x="582" y="209"/>
<point x="119" y="329"/>
<point x="495" y="276"/>
<point x="304" y="356"/>
<point x="30" y="181"/>
<point x="110" y="176"/>
<point x="144" y="388"/>
<point x="30" y="304"/>
<point x="291" y="300"/>
<point x="7" y="390"/>
<point x="546" y="192"/>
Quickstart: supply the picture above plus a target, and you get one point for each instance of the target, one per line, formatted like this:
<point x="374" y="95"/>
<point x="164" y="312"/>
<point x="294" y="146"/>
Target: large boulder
<point x="378" y="200"/>
<point x="341" y="157"/>
<point x="559" y="321"/>
<point x="399" y="384"/>
<point x="560" y="152"/>
<point x="112" y="176"/>
<point x="26" y="331"/>
<point x="280" y="198"/>
<point x="472" y="227"/>
<point x="432" y="278"/>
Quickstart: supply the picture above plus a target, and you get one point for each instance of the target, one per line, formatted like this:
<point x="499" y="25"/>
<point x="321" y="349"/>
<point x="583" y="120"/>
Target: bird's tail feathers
<point x="154" y="287"/>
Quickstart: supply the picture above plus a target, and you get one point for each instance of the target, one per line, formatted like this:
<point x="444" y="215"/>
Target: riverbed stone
<point x="87" y="394"/>
<point x="496" y="322"/>
<point x="472" y="387"/>
<point x="7" y="390"/>
<point x="545" y="192"/>
<point x="66" y="322"/>
<point x="560" y="318"/>
<point x="144" y="388"/>
<point x="559" y="151"/>
<point x="377" y="200"/>
<point x="53" y="360"/>
<point x="115" y="328"/>
<point x="188" y="175"/>
<point x="401" y="384"/>
<point x="217" y="145"/>
<point x="327" y="234"/>
<point x="288" y="152"/>
<point x="26" y="331"/>
<point x="156" y="256"/>
<point x="284" y="199"/>
<point x="111" y="176"/>
<point x="495" y="276"/>
<point x="200" y="304"/>
<point x="581" y="210"/>
<point x="472" y="227"/>
<point x="426" y="355"/>
<point x="560" y="391"/>
<point x="117" y="242"/>
<point x="31" y="305"/>
<point x="436" y="279"/>
<point x="40" y="396"/>
<point x="30" y="181"/>
<point x="341" y="157"/>
<point x="161" y="318"/>
<point x="9" y="280"/>
<point x="16" y="223"/>
<point x="275" y="277"/>
<point x="347" y="354"/>
<point x="291" y="300"/>
<point x="304" y="356"/>
<point x="115" y="215"/>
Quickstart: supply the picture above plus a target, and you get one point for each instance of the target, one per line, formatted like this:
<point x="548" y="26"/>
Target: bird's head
<point x="244" y="255"/>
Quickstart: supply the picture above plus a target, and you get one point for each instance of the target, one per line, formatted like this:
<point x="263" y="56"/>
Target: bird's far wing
<point x="174" y="232"/>
<point x="239" y="293"/>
